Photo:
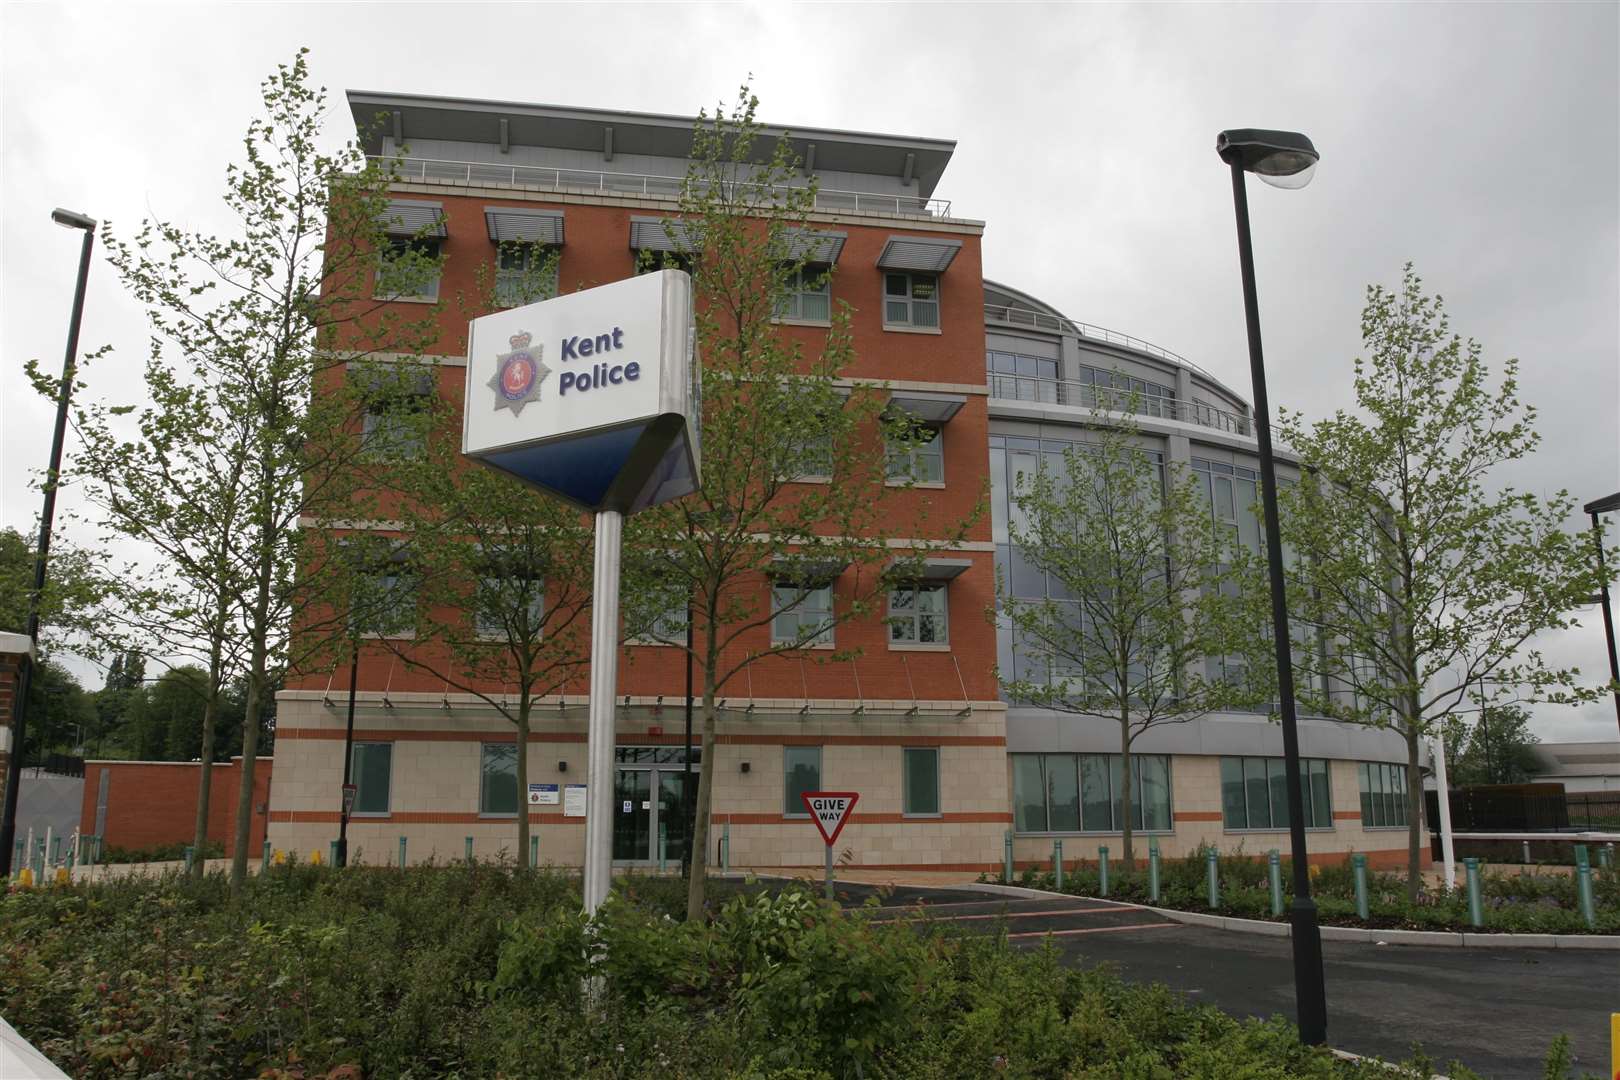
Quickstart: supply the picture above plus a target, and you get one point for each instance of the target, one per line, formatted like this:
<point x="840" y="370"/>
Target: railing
<point x="1087" y="396"/>
<point x="646" y="185"/>
<point x="1040" y="320"/>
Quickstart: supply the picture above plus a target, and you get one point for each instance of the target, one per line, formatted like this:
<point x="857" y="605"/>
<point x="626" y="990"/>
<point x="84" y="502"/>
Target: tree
<point x="62" y="712"/>
<point x="285" y="328"/>
<point x="73" y="588"/>
<point x="1422" y="576"/>
<point x="1121" y="590"/>
<point x="771" y="415"/>
<point x="1499" y="748"/>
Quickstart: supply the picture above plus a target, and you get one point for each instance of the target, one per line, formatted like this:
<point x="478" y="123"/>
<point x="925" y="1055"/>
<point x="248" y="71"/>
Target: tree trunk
<point x="523" y="783"/>
<point x="1125" y="852"/>
<point x="705" y="801"/>
<point x="206" y="755"/>
<point x="1414" y="815"/>
<point x="244" y="796"/>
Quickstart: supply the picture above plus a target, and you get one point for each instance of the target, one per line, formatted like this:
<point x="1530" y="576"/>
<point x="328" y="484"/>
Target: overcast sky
<point x="1480" y="141"/>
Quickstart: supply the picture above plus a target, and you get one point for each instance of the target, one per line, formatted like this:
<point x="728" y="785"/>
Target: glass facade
<point x="1083" y="792"/>
<point x="1254" y="793"/>
<point x="497" y="788"/>
<point x="919" y="780"/>
<point x="371" y="770"/>
<point x="1383" y="795"/>
<point x="801" y="772"/>
<point x="1018" y="377"/>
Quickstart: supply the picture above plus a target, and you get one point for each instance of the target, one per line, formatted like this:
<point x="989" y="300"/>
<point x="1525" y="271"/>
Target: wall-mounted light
<point x="562" y="766"/>
<point x="745" y="766"/>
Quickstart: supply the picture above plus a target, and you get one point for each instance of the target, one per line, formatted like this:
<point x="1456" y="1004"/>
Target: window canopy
<point x="514" y="224"/>
<point x="928" y="253"/>
<point x="413" y="218"/>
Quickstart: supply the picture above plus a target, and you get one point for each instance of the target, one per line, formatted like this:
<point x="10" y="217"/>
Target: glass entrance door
<point x="672" y="813"/>
<point x="632" y="815"/>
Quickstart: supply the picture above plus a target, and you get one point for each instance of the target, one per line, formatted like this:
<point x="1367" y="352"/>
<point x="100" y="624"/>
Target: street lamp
<point x="1283" y="159"/>
<point x="1594" y="508"/>
<point x="8" y="817"/>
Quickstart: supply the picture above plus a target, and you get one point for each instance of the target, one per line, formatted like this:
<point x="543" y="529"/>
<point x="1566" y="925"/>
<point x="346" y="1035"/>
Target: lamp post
<point x="8" y="817"/>
<point x="1594" y="508"/>
<point x="1284" y="159"/>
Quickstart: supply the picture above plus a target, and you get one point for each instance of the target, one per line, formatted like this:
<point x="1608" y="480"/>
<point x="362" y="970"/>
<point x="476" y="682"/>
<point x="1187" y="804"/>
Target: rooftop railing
<point x="1087" y="396"/>
<point x="1056" y="324"/>
<point x="587" y="181"/>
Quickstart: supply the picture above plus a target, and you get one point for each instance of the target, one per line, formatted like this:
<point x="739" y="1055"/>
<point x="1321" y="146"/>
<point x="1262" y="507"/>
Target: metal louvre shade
<point x="929" y="570"/>
<point x="926" y="406"/>
<point x="508" y="224"/>
<point x="815" y="248"/>
<point x="654" y="234"/>
<point x="918" y="253"/>
<point x="413" y="218"/>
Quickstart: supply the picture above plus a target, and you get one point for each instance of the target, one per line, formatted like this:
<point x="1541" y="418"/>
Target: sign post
<point x="830" y="811"/>
<point x="616" y="431"/>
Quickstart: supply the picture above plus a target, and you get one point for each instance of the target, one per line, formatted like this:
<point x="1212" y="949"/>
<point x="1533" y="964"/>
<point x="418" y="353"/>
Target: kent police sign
<point x="592" y="396"/>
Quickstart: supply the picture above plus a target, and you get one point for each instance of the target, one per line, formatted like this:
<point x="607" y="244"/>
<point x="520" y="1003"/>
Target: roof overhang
<point x="929" y="253"/>
<point x="920" y="161"/>
<point x="514" y="224"/>
<point x="928" y="570"/>
<point x="926" y="406"/>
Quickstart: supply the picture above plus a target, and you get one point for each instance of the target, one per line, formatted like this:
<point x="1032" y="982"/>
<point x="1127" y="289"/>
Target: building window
<point x="801" y="614"/>
<point x="1023" y="378"/>
<point x="911" y="300"/>
<point x="498" y="602"/>
<point x="384" y="604"/>
<point x="668" y="627"/>
<point x="919" y="780"/>
<point x="1383" y="795"/>
<point x="918" y="613"/>
<point x="525" y="272"/>
<point x="410" y="268"/>
<point x="808" y="296"/>
<point x="371" y="770"/>
<point x="801" y="772"/>
<point x="1083" y="792"/>
<point x="398" y="412"/>
<point x="498" y="793"/>
<point x="1254" y="793"/>
<point x="918" y="455"/>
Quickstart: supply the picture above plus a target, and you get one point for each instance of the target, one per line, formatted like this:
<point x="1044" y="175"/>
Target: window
<point x="813" y="457"/>
<point x="911" y="300"/>
<point x="1254" y="793"/>
<point x="918" y="454"/>
<point x="384" y="604"/>
<point x="919" y="780"/>
<point x="410" y="268"/>
<point x="801" y="614"/>
<point x="808" y="297"/>
<point x="499" y="601"/>
<point x="1084" y="792"/>
<point x="801" y="772"/>
<point x="1383" y="795"/>
<point x="498" y="793"/>
<point x="371" y="770"/>
<point x="668" y="627"/>
<point x="1023" y="378"/>
<point x="398" y="413"/>
<point x="917" y="613"/>
<point x="525" y="272"/>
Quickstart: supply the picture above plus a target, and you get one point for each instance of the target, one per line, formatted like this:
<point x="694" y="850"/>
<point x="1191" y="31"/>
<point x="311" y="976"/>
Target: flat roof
<point x="457" y="119"/>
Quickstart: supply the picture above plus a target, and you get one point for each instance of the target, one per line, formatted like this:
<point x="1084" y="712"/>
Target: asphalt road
<point x="1494" y="1010"/>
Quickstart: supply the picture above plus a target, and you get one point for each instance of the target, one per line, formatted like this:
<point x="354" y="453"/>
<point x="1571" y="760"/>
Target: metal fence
<point x="55" y="764"/>
<point x="1526" y="808"/>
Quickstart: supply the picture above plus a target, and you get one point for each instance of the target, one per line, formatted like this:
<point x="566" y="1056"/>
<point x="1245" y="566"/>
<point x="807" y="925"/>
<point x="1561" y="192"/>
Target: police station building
<point x="945" y="768"/>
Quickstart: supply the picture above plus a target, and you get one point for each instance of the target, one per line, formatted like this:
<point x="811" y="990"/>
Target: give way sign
<point x="829" y="810"/>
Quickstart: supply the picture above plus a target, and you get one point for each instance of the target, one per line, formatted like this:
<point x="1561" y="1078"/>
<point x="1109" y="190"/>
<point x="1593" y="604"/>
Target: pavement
<point x="1494" y="1010"/>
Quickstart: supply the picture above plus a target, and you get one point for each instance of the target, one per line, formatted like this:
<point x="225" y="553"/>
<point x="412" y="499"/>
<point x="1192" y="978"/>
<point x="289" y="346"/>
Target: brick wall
<point x="155" y="802"/>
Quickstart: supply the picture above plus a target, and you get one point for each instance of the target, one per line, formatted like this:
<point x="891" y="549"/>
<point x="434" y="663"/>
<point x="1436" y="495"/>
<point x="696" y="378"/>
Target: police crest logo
<point x="518" y="374"/>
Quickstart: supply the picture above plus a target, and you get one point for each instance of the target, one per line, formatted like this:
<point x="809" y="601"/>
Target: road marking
<point x="1023" y="914"/>
<point x="1091" y="930"/>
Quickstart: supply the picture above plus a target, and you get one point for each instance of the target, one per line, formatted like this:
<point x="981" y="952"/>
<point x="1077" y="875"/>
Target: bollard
<point x="56" y="851"/>
<point x="1102" y="871"/>
<point x="1581" y="857"/>
<point x="17" y="854"/>
<point x="469" y="851"/>
<point x="191" y="853"/>
<point x="1057" y="863"/>
<point x="1358" y="863"/>
<point x="1274" y="877"/>
<point x="725" y="848"/>
<point x="264" y="858"/>
<point x="534" y="851"/>
<point x="1476" y="909"/>
<point x="402" y="853"/>
<point x="1212" y="873"/>
<point x="1153" y="871"/>
<point x="1583" y="889"/>
<point x="332" y="853"/>
<point x="663" y="847"/>
<point x="1606" y="856"/>
<point x="1006" y="857"/>
<point x="1527" y="853"/>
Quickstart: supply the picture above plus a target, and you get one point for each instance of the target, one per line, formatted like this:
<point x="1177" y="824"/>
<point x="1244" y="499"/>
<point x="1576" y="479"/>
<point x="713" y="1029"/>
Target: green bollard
<point x="331" y="854"/>
<point x="1476" y="908"/>
<point x="1274" y="877"/>
<point x="402" y="853"/>
<point x="1102" y="871"/>
<point x="1057" y="863"/>
<point x="1581" y="857"/>
<point x="1153" y="871"/>
<point x="264" y="857"/>
<point x="191" y="853"/>
<point x="1212" y="875"/>
<point x="56" y="851"/>
<point x="1606" y="856"/>
<point x="534" y="850"/>
<point x="663" y="847"/>
<point x="1358" y="863"/>
<point x="1583" y="889"/>
<point x="1006" y="857"/>
<point x="469" y="851"/>
<point x="725" y="848"/>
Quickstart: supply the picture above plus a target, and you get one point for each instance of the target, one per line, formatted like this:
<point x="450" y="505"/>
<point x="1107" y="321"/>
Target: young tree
<point x="1499" y="748"/>
<point x="1122" y="589"/>
<point x="283" y="325"/>
<point x="771" y="415"/>
<point x="1421" y="574"/>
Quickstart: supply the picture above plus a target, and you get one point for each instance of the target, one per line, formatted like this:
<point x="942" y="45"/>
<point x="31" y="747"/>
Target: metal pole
<point x="1310" y="994"/>
<point x="1608" y="612"/>
<point x="599" y="735"/>
<point x="341" y="855"/>
<point x="688" y="801"/>
<point x="829" y="872"/>
<point x="1448" y="856"/>
<point x="19" y="716"/>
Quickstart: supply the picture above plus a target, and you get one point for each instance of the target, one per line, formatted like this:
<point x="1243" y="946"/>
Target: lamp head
<point x="1284" y="159"/>
<point x="68" y="219"/>
<point x="1604" y="505"/>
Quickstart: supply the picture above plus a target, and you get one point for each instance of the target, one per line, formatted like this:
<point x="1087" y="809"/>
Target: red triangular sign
<point x="830" y="810"/>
